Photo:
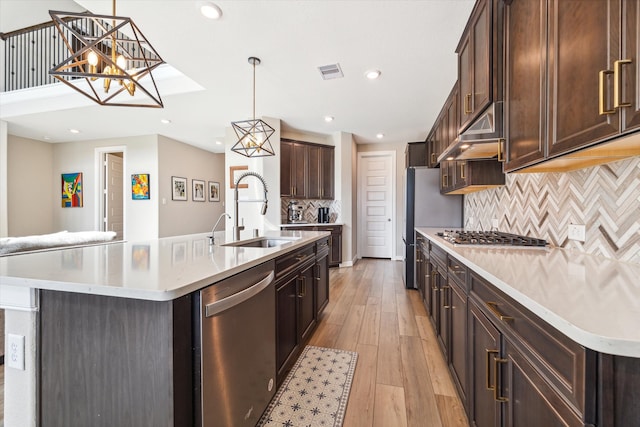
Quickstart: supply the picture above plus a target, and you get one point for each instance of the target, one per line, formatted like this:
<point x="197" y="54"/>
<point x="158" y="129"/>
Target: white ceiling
<point x="411" y="42"/>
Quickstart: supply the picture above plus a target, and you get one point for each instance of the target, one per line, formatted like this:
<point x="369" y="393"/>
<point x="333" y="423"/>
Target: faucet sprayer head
<point x="263" y="211"/>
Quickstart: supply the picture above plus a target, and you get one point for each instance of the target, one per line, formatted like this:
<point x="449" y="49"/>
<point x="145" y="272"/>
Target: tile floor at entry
<point x="401" y="378"/>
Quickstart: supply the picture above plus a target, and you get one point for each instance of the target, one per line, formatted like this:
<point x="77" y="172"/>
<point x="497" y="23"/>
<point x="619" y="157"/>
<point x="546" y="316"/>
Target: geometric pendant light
<point x="110" y="60"/>
<point x="253" y="135"/>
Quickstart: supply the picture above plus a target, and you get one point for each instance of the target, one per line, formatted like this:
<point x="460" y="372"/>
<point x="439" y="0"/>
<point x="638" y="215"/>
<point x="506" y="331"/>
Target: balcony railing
<point x="31" y="52"/>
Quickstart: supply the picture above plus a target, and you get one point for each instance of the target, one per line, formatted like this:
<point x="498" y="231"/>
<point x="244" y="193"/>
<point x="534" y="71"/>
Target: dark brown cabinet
<point x="445" y="129"/>
<point x="467" y="176"/>
<point x="293" y="169"/>
<point x="571" y="81"/>
<point x="302" y="292"/>
<point x="335" y="240"/>
<point x="321" y="180"/>
<point x="322" y="276"/>
<point x="415" y="154"/>
<point x="306" y="170"/>
<point x="478" y="52"/>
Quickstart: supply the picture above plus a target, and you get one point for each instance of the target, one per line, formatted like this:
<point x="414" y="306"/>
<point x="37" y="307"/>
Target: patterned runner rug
<point x="316" y="391"/>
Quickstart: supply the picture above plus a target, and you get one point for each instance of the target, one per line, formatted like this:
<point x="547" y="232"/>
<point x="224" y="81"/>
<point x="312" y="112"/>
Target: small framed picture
<point x="234" y="174"/>
<point x="140" y="186"/>
<point x="72" y="190"/>
<point x="214" y="191"/>
<point x="178" y="188"/>
<point x="197" y="190"/>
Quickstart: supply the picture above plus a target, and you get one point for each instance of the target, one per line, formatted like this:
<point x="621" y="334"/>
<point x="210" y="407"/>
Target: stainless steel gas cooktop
<point x="493" y="238"/>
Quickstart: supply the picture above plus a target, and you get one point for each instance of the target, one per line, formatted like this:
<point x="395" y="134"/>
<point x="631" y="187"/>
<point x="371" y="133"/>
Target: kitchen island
<point x="541" y="334"/>
<point x="112" y="337"/>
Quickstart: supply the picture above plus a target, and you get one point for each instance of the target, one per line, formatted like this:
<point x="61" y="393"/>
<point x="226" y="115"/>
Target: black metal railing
<point x="31" y="52"/>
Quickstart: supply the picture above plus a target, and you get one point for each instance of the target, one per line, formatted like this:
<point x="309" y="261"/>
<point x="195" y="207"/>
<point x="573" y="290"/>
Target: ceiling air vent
<point x="332" y="71"/>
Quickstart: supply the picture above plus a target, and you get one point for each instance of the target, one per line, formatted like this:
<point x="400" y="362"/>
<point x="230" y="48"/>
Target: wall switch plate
<point x="577" y="232"/>
<point x="15" y="351"/>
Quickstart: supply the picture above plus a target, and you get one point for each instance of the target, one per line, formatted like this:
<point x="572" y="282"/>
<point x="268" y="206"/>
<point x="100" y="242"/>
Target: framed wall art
<point x="140" y="186"/>
<point x="197" y="190"/>
<point x="234" y="174"/>
<point x="178" y="188"/>
<point x="214" y="191"/>
<point x="72" y="190"/>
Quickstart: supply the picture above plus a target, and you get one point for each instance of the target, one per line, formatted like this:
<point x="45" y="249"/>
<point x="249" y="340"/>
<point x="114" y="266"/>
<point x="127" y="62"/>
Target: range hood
<point x="481" y="140"/>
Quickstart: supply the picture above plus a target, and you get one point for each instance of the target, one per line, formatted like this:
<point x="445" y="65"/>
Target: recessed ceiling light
<point x="450" y="158"/>
<point x="74" y="131"/>
<point x="373" y="74"/>
<point x="218" y="142"/>
<point x="380" y="135"/>
<point x="210" y="10"/>
<point x="46" y="138"/>
<point x="328" y="119"/>
<point x="165" y="121"/>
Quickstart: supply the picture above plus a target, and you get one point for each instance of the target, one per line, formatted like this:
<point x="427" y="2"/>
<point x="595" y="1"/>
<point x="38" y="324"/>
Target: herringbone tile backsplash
<point x="605" y="198"/>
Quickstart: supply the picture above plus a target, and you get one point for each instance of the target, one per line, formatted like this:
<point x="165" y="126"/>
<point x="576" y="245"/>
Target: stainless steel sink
<point x="262" y="242"/>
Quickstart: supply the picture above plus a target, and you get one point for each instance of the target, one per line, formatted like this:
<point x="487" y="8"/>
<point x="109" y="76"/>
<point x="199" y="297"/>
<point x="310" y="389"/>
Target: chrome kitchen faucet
<point x="237" y="228"/>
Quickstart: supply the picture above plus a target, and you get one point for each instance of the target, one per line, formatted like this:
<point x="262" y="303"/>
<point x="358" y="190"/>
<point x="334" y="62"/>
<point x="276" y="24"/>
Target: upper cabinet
<point x="571" y="83"/>
<point x="306" y="170"/>
<point x="445" y="130"/>
<point x="479" y="65"/>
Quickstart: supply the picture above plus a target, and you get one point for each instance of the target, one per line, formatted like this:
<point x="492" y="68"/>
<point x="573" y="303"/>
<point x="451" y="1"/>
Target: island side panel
<point x="108" y="361"/>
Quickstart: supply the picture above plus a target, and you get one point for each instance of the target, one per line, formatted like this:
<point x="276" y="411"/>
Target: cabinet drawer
<point x="457" y="272"/>
<point x="439" y="256"/>
<point x="289" y="262"/>
<point x="560" y="360"/>
<point x="322" y="247"/>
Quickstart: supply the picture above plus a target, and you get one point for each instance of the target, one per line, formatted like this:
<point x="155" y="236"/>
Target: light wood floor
<point x="401" y="378"/>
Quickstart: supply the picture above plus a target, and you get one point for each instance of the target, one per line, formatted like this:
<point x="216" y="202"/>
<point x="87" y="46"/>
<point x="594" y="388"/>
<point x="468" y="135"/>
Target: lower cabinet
<point x="302" y="292"/>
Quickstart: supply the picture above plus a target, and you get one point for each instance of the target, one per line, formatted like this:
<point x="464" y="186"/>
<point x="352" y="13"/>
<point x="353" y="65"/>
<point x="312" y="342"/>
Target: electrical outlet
<point x="15" y="351"/>
<point x="577" y="232"/>
<point x="494" y="223"/>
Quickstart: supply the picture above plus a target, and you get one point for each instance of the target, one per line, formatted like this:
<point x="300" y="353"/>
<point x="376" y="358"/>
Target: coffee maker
<point x="295" y="213"/>
<point x="323" y="215"/>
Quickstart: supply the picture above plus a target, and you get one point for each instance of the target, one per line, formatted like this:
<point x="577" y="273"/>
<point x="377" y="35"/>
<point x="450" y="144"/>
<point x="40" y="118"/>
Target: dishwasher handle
<point x="235" y="299"/>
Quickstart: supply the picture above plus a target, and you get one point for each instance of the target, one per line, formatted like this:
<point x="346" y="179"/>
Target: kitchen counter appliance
<point x="323" y="215"/>
<point x="490" y="238"/>
<point x="425" y="207"/>
<point x="237" y="348"/>
<point x="295" y="213"/>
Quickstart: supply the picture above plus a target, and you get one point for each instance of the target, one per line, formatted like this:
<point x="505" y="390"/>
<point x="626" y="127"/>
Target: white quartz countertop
<point x="160" y="269"/>
<point x="593" y="300"/>
<point x="311" y="224"/>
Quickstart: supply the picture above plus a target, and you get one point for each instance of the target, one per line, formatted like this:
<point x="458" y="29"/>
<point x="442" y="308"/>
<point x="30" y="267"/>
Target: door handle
<point x="496" y="389"/>
<point x="617" y="80"/>
<point x="238" y="298"/>
<point x="488" y="376"/>
<point x="602" y="76"/>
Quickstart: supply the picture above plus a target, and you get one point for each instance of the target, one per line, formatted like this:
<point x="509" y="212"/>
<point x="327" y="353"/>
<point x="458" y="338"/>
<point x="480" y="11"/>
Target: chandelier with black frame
<point x="109" y="59"/>
<point x="253" y="135"/>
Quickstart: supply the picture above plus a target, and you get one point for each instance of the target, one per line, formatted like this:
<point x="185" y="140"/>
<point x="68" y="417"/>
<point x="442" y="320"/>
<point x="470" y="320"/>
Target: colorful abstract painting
<point x="140" y="186"/>
<point x="72" y="190"/>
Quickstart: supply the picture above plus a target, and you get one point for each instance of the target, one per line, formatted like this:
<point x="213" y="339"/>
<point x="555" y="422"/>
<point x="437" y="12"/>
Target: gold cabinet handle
<point x="602" y="77"/>
<point x="488" y="376"/>
<point x="501" y="142"/>
<point x="496" y="389"/>
<point x="617" y="82"/>
<point x="462" y="167"/>
<point x="444" y="289"/>
<point x="493" y="306"/>
<point x="303" y="287"/>
<point x="433" y="158"/>
<point x="467" y="104"/>
<point x="445" y="180"/>
<point x="433" y="283"/>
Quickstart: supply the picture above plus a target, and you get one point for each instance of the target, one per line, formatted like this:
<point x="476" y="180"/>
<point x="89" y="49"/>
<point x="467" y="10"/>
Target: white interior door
<point x="114" y="219"/>
<point x="375" y="208"/>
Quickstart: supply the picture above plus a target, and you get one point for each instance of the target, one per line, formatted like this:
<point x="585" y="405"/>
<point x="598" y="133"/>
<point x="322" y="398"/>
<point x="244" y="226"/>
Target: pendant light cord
<point x="254" y="89"/>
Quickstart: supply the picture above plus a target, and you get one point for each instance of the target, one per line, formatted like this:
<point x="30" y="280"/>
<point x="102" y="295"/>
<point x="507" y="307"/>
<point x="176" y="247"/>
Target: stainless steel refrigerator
<point x="425" y="207"/>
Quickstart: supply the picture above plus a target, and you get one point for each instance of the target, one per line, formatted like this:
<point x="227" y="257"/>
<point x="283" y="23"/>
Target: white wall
<point x="345" y="158"/>
<point x="141" y="154"/>
<point x="182" y="160"/>
<point x="269" y="169"/>
<point x="399" y="148"/>
<point x="4" y="223"/>
<point x="29" y="175"/>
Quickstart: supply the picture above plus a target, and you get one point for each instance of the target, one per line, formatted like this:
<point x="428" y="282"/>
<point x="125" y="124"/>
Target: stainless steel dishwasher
<point x="237" y="348"/>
